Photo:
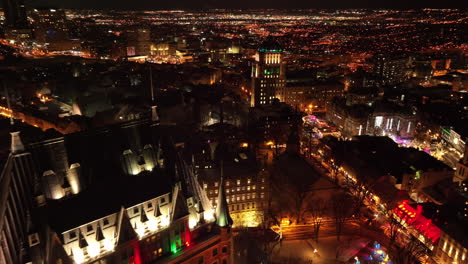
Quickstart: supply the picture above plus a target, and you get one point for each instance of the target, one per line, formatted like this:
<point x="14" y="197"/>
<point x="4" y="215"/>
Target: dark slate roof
<point x="374" y="157"/>
<point x="293" y="168"/>
<point x="102" y="199"/>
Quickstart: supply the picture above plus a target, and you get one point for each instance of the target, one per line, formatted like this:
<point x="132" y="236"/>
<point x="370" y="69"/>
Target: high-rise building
<point x="138" y="41"/>
<point x="50" y="25"/>
<point x="16" y="20"/>
<point x="15" y="13"/>
<point x="390" y="70"/>
<point x="268" y="74"/>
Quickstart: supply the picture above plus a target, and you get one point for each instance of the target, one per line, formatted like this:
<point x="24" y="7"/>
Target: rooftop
<point x="104" y="198"/>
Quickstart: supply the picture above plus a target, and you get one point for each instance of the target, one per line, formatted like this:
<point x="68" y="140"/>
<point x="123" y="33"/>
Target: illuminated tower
<point x="268" y="74"/>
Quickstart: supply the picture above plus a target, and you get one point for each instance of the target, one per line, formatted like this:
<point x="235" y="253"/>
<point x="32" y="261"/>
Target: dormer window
<point x="33" y="239"/>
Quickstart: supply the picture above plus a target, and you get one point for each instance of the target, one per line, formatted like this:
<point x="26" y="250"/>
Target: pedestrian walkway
<point x="326" y="251"/>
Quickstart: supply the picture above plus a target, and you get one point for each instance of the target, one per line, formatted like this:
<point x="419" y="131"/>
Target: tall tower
<point x="15" y="13"/>
<point x="268" y="73"/>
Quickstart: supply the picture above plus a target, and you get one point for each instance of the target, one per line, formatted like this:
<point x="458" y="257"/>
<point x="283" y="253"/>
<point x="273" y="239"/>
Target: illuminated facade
<point x="450" y="250"/>
<point x="62" y="204"/>
<point x="426" y="231"/>
<point x="246" y="196"/>
<point x="268" y="74"/>
<point x="167" y="228"/>
<point x="245" y="182"/>
<point x="394" y="125"/>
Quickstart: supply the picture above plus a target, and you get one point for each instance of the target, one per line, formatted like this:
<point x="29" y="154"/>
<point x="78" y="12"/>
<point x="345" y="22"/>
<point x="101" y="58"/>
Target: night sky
<point x="204" y="4"/>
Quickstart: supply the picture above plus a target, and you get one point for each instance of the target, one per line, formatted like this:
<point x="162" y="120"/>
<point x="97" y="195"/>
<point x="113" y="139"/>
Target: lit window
<point x="238" y="182"/>
<point x="216" y="184"/>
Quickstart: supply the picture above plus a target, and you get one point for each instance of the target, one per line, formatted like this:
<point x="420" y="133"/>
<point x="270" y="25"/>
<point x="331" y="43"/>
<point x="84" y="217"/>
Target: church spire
<point x="154" y="112"/>
<point x="223" y="219"/>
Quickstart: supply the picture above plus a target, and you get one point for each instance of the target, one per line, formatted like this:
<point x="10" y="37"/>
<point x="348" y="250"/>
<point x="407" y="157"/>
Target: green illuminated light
<point x="446" y="131"/>
<point x="270" y="50"/>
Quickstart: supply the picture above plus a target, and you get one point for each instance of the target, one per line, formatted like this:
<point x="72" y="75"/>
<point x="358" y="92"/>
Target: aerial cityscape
<point x="220" y="135"/>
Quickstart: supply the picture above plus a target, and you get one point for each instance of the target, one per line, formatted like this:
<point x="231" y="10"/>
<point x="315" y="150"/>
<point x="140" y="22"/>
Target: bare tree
<point x="408" y="251"/>
<point x="395" y="225"/>
<point x="317" y="210"/>
<point x="340" y="205"/>
<point x="291" y="196"/>
<point x="359" y="191"/>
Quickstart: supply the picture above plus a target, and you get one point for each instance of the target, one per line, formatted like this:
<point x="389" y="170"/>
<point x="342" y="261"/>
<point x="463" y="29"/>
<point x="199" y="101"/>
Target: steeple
<point x="16" y="143"/>
<point x="223" y="219"/>
<point x="154" y="113"/>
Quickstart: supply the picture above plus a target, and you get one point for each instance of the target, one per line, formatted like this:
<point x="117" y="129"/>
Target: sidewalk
<point x="326" y="251"/>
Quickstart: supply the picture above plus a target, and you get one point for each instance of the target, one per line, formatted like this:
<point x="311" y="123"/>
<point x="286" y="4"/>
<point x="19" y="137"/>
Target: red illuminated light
<point x="415" y="218"/>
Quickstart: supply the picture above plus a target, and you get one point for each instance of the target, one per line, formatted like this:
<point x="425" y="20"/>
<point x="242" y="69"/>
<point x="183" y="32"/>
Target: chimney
<point x="154" y="114"/>
<point x="16" y="143"/>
